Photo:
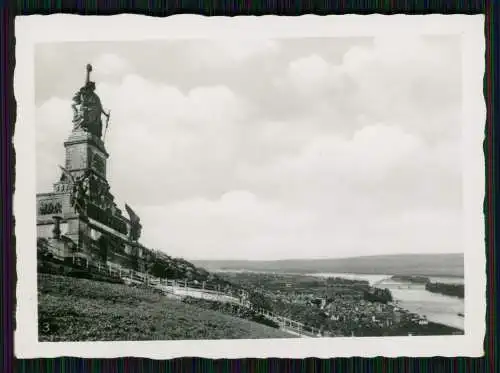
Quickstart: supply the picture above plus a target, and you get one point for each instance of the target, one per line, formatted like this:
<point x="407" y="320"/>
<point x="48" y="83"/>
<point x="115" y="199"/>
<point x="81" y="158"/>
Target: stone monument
<point x="81" y="207"/>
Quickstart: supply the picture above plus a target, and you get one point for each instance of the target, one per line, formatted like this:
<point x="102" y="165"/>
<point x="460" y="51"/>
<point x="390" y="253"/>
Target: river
<point x="414" y="298"/>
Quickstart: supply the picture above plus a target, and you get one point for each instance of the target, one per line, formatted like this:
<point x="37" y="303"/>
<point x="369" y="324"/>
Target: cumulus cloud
<point x="111" y="64"/>
<point x="52" y="120"/>
<point x="305" y="156"/>
<point x="308" y="72"/>
<point x="415" y="84"/>
<point x="155" y="129"/>
<point x="219" y="53"/>
<point x="240" y="225"/>
<point x="229" y="226"/>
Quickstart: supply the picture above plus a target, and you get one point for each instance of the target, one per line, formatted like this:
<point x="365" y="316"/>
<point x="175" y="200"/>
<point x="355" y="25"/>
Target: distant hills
<point x="410" y="264"/>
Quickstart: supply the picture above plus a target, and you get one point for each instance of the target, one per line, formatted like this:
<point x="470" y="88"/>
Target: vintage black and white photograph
<point x="252" y="188"/>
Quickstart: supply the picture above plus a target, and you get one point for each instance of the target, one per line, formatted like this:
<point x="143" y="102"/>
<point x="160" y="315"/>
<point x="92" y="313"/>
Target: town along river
<point x="413" y="297"/>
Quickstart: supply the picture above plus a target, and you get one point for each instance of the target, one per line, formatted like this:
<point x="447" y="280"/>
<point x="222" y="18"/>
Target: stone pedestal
<point x="85" y="151"/>
<point x="100" y="220"/>
<point x="81" y="199"/>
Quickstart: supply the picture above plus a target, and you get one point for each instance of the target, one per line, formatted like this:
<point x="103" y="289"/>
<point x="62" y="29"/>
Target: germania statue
<point x="87" y="109"/>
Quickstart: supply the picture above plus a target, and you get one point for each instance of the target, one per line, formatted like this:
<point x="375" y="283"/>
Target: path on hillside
<point x="183" y="289"/>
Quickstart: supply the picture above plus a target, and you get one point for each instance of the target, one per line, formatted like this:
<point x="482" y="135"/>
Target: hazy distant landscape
<point x="411" y="264"/>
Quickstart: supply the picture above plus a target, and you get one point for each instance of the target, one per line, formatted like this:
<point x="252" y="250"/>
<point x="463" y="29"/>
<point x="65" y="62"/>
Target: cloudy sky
<point x="271" y="149"/>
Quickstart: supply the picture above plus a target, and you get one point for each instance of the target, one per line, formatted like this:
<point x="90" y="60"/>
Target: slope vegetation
<point x="72" y="309"/>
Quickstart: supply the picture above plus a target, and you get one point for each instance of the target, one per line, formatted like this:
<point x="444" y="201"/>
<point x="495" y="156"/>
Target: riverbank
<point x="452" y="290"/>
<point x="438" y="308"/>
<point x="337" y="306"/>
<point x="435" y="307"/>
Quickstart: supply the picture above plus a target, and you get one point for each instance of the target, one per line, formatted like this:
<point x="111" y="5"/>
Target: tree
<point x="158" y="269"/>
<point x="260" y="301"/>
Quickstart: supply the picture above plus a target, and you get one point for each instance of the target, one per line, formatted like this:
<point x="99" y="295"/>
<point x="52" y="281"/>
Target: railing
<point x="182" y="289"/>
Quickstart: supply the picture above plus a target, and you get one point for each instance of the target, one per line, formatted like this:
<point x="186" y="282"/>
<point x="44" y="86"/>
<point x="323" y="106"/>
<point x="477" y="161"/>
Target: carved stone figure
<point x="98" y="164"/>
<point x="56" y="232"/>
<point x="87" y="108"/>
<point x="80" y="193"/>
<point x="49" y="207"/>
<point x="135" y="225"/>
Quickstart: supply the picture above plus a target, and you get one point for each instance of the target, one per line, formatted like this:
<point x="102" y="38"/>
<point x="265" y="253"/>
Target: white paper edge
<point x="45" y="29"/>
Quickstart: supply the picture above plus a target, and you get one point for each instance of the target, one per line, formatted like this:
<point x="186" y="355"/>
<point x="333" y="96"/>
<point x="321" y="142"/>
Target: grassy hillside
<point x="414" y="264"/>
<point x="72" y="309"/>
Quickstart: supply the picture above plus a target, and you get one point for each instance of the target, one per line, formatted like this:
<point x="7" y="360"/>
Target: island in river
<point x="411" y="279"/>
<point x="452" y="290"/>
<point x="377" y="272"/>
<point x="336" y="306"/>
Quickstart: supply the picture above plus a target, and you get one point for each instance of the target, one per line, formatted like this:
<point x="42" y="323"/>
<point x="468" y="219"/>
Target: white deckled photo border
<point x="32" y="30"/>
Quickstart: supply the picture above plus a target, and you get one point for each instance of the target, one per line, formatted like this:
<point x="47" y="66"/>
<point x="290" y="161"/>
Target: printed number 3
<point x="46" y="327"/>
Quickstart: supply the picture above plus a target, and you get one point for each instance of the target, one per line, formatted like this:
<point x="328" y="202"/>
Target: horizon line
<point x="325" y="258"/>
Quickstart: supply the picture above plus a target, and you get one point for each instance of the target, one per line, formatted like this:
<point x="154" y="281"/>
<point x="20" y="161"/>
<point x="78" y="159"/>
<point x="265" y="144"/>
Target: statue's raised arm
<point x="89" y="70"/>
